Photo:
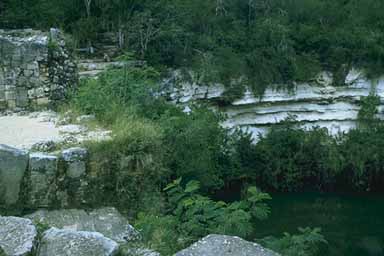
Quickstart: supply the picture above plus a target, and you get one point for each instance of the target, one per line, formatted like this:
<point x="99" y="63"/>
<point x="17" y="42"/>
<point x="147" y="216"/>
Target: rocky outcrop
<point x="36" y="68"/>
<point x="38" y="180"/>
<point x="81" y="243"/>
<point x="214" y="245"/>
<point x="17" y="236"/>
<point x="13" y="166"/>
<point x="71" y="232"/>
<point x="107" y="221"/>
<point x="138" y="252"/>
<point x="316" y="103"/>
<point x="42" y="170"/>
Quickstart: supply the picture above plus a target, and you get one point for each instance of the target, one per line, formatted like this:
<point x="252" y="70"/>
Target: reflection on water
<point x="353" y="225"/>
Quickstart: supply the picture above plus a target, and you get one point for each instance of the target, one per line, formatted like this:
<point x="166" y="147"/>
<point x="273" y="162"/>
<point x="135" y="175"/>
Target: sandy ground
<point x="24" y="131"/>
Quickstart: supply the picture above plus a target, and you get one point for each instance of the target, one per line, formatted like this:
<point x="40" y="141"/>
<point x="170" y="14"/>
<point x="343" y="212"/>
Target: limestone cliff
<point x="316" y="103"/>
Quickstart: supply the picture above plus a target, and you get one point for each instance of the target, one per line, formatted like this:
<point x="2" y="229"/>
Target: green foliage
<point x="191" y="216"/>
<point x="294" y="159"/>
<point x="289" y="159"/>
<point x="262" y="42"/>
<point x="160" y="233"/>
<point x="194" y="145"/>
<point x="129" y="169"/>
<point x="120" y="92"/>
<point x="368" y="111"/>
<point x="200" y="215"/>
<point x="307" y="243"/>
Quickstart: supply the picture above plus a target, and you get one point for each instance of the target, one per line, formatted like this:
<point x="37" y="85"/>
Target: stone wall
<point x="43" y="180"/>
<point x="36" y="69"/>
<point x="316" y="103"/>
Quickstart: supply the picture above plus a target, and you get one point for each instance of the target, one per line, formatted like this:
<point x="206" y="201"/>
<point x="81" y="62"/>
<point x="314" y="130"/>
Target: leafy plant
<point x="308" y="242"/>
<point x="200" y="215"/>
<point x="369" y="110"/>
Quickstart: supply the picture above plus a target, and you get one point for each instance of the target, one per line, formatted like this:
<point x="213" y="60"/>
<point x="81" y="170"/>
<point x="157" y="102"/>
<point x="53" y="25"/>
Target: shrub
<point x="308" y="242"/>
<point x="194" y="146"/>
<point x="128" y="170"/>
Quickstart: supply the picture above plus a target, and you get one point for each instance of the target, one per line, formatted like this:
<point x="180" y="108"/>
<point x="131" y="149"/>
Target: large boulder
<point x="61" y="242"/>
<point x="43" y="170"/>
<point x="17" y="236"/>
<point x="13" y="165"/>
<point x="107" y="221"/>
<point x="215" y="245"/>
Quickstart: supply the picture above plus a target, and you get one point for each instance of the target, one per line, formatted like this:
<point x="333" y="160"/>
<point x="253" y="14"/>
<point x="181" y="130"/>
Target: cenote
<point x="353" y="225"/>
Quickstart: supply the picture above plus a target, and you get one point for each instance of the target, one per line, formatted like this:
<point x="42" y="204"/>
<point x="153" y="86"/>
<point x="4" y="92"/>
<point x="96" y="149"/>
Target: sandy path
<point x="24" y="131"/>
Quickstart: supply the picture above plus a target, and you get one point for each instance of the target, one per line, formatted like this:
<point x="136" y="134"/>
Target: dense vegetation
<point x="266" y="41"/>
<point x="168" y="169"/>
<point x="164" y="166"/>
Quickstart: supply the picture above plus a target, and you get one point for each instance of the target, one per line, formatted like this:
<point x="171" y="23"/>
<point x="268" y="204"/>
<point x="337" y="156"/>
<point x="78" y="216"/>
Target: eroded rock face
<point x="139" y="252"/>
<point x="312" y="104"/>
<point x="35" y="68"/>
<point x="214" y="245"/>
<point x="74" y="184"/>
<point x="107" y="221"/>
<point x="43" y="170"/>
<point x="13" y="166"/>
<point x="17" y="236"/>
<point x="75" y="159"/>
<point x="80" y="243"/>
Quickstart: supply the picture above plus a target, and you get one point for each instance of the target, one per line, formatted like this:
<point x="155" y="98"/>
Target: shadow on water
<point x="353" y="225"/>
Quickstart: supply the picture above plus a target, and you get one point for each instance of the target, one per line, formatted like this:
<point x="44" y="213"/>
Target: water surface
<point x="353" y="225"/>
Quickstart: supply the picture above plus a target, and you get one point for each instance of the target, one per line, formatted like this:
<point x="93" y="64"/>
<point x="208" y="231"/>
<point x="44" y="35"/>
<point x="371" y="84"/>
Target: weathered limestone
<point x="41" y="180"/>
<point x="43" y="170"/>
<point x="17" y="236"/>
<point x="315" y="103"/>
<point x="138" y="252"/>
<point x="81" y="243"/>
<point x="13" y="165"/>
<point x="75" y="159"/>
<point x="74" y="183"/>
<point x="35" y="68"/>
<point x="107" y="221"/>
<point x="214" y="245"/>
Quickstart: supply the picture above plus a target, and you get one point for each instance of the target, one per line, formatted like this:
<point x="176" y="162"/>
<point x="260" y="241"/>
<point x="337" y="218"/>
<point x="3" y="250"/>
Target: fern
<point x="308" y="242"/>
<point x="200" y="215"/>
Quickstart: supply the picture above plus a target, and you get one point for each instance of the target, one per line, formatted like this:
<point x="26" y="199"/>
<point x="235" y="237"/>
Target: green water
<point x="353" y="225"/>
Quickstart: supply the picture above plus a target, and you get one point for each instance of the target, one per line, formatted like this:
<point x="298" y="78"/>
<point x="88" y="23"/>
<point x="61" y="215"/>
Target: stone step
<point x="89" y="66"/>
<point x="89" y="74"/>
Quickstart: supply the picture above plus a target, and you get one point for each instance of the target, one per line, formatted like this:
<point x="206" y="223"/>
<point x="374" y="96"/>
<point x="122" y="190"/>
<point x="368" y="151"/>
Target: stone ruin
<point x="36" y="69"/>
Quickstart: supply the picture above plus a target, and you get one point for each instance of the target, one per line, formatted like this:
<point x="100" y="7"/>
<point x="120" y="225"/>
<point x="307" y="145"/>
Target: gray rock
<point x="43" y="169"/>
<point x="17" y="236"/>
<point x="30" y="63"/>
<point x="215" y="245"/>
<point x="80" y="243"/>
<point x="74" y="154"/>
<point x="72" y="129"/>
<point x="75" y="158"/>
<point x="107" y="221"/>
<point x="13" y="165"/>
<point x="85" y="118"/>
<point x="44" y="146"/>
<point x="138" y="252"/>
<point x="316" y="103"/>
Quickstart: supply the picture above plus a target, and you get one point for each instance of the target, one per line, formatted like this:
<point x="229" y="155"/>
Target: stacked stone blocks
<point x="36" y="69"/>
<point x="41" y="180"/>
